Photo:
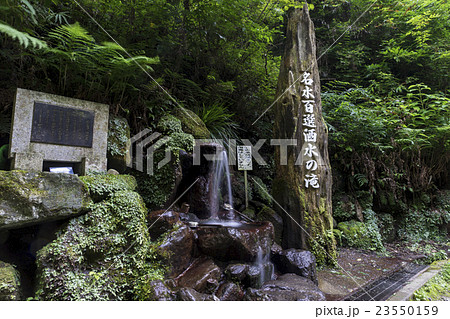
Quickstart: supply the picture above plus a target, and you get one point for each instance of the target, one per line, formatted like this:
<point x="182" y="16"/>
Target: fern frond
<point x="24" y="38"/>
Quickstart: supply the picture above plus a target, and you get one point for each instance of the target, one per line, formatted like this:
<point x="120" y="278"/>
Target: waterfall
<point x="220" y="168"/>
<point x="264" y="266"/>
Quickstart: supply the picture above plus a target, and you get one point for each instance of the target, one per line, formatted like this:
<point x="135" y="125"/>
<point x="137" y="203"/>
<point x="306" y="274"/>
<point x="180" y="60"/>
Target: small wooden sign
<point x="244" y="158"/>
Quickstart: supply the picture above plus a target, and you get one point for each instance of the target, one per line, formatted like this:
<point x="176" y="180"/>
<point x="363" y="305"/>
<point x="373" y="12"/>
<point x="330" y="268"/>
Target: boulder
<point x="161" y="221"/>
<point x="230" y="291"/>
<point x="300" y="262"/>
<point x="159" y="187"/>
<point x="9" y="282"/>
<point x="178" y="248"/>
<point x="105" y="254"/>
<point x="203" y="275"/>
<point x="288" y="287"/>
<point x="28" y="198"/>
<point x="103" y="186"/>
<point x="236" y="272"/>
<point x="192" y="124"/>
<point x="159" y="292"/>
<point x="190" y="294"/>
<point x="118" y="143"/>
<point x="270" y="215"/>
<point x="239" y="244"/>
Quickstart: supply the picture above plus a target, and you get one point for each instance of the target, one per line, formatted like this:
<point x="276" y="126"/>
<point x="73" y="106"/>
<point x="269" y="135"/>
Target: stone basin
<point x="233" y="240"/>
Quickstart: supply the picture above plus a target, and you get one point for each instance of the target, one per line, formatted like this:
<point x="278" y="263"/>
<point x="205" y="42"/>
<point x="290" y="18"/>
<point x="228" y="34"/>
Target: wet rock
<point x="300" y="262"/>
<point x="190" y="294"/>
<point x="28" y="198"/>
<point x="9" y="283"/>
<point x="236" y="272"/>
<point x="239" y="244"/>
<point x="161" y="221"/>
<point x="201" y="275"/>
<point x="288" y="287"/>
<point x="159" y="292"/>
<point x="254" y="278"/>
<point x="270" y="215"/>
<point x="211" y="285"/>
<point x="230" y="291"/>
<point x="259" y="274"/>
<point x="178" y="248"/>
<point x="275" y="249"/>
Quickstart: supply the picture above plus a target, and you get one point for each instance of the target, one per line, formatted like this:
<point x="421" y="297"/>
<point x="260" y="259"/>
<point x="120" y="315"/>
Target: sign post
<point x="244" y="158"/>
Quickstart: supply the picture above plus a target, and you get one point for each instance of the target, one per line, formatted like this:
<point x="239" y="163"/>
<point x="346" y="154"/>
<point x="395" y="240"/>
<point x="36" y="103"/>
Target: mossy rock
<point x="249" y="212"/>
<point x="9" y="282"/>
<point x="159" y="188"/>
<point x="192" y="124"/>
<point x="356" y="234"/>
<point x="118" y="143"/>
<point x="103" y="185"/>
<point x="105" y="254"/>
<point x="29" y="198"/>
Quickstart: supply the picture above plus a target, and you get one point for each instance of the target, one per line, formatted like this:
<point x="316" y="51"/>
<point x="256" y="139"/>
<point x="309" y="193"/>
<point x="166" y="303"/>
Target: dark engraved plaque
<point x="54" y="124"/>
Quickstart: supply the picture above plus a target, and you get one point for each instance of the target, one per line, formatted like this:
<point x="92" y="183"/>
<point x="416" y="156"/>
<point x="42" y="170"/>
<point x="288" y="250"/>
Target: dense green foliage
<point x="384" y="72"/>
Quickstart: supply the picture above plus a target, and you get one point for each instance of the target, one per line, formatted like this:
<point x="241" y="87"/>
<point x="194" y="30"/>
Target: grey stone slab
<point x="61" y="140"/>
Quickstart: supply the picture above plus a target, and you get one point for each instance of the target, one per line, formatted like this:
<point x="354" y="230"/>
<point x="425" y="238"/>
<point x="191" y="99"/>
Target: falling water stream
<point x="221" y="170"/>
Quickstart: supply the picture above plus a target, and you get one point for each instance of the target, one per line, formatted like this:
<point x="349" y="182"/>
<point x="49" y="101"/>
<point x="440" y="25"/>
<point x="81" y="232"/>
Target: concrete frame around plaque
<point x="28" y="155"/>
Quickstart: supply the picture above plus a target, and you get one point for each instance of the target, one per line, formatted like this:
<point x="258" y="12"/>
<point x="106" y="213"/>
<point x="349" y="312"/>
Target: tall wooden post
<point x="303" y="186"/>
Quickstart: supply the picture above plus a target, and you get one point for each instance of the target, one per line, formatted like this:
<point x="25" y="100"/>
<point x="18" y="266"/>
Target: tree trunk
<point x="302" y="185"/>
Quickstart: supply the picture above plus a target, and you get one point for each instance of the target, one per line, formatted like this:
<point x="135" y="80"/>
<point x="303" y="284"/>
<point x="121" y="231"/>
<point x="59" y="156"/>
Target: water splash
<point x="220" y="171"/>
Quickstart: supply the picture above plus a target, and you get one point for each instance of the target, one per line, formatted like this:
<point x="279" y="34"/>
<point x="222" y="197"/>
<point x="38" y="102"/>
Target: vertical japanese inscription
<point x="309" y="133"/>
<point x="54" y="124"/>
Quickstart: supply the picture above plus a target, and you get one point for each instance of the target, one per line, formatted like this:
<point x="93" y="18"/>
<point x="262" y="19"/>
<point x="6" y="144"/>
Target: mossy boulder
<point x="159" y="188"/>
<point x="118" y="143"/>
<point x="105" y="254"/>
<point x="356" y="234"/>
<point x="191" y="123"/>
<point x="9" y="282"/>
<point x="28" y="198"/>
<point x="102" y="185"/>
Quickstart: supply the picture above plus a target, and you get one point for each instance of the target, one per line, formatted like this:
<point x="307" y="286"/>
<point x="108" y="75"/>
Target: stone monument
<point x="54" y="131"/>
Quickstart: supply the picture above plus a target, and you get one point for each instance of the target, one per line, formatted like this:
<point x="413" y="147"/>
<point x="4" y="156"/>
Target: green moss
<point x="323" y="248"/>
<point x="103" y="255"/>
<point x="118" y="136"/>
<point x="360" y="235"/>
<point x="101" y="186"/>
<point x="436" y="289"/>
<point x="157" y="188"/>
<point x="9" y="283"/>
<point x="192" y="124"/>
